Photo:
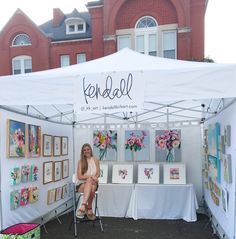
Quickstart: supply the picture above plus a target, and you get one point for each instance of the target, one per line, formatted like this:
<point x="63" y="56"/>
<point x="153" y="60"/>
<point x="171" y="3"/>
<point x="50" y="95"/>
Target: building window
<point x="65" y="60"/>
<point x="146" y="36"/>
<point x="169" y="44"/>
<point x="81" y="57"/>
<point x="21" y="40"/>
<point x="21" y="64"/>
<point x="123" y="41"/>
<point x="75" y="25"/>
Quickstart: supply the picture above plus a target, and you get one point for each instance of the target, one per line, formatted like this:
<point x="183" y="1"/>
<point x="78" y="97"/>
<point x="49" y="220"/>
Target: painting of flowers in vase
<point x="34" y="134"/>
<point x="16" y="138"/>
<point x="137" y="144"/>
<point x="105" y="144"/>
<point x="168" y="145"/>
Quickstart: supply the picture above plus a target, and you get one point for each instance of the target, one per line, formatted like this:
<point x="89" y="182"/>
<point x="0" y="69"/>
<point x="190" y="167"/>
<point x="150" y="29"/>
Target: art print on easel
<point x="16" y="132"/>
<point x="47" y="145"/>
<point x="148" y="173"/>
<point x="122" y="173"/>
<point x="64" y="145"/>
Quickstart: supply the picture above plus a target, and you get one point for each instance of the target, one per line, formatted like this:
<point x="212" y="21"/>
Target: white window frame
<point x="22" y="60"/>
<point x="128" y="36"/>
<point x="67" y="57"/>
<point x="22" y="44"/>
<point x="78" y="56"/>
<point x="163" y="43"/>
<point x="75" y="22"/>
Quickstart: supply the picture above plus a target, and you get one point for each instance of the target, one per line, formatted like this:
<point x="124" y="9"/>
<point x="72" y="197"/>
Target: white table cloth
<point x="163" y="202"/>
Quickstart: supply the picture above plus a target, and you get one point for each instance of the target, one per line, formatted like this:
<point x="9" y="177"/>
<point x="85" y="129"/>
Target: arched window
<point x="21" y="64"/>
<point x="21" y="40"/>
<point x="75" y="25"/>
<point x="146" y="36"/>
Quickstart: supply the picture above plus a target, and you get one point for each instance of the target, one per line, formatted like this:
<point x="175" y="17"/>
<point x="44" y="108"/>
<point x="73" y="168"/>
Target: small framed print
<point x="47" y="172"/>
<point x="34" y="140"/>
<point x="65" y="168"/>
<point x="103" y="173"/>
<point x="58" y="193"/>
<point x="64" y="192"/>
<point x="174" y="173"/>
<point x="148" y="173"/>
<point x="57" y="171"/>
<point x="122" y="173"/>
<point x="56" y="146"/>
<point x="47" y="145"/>
<point x="64" y="145"/>
<point x="51" y="196"/>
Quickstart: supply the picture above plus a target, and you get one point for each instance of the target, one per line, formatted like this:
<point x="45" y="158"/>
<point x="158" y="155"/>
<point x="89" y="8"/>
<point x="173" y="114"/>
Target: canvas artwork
<point x="57" y="171"/>
<point x="148" y="173"/>
<point x="65" y="168"/>
<point x="51" y="196"/>
<point x="227" y="135"/>
<point x="14" y="199"/>
<point x="64" y="145"/>
<point x="212" y="167"/>
<point x="33" y="194"/>
<point x="105" y="144"/>
<point x="24" y="197"/>
<point x="224" y="199"/>
<point x="174" y="173"/>
<point x="227" y="168"/>
<point x="103" y="173"/>
<point x="47" y="172"/>
<point x="64" y="192"/>
<point x="16" y="139"/>
<point x="122" y="173"/>
<point x="34" y="141"/>
<point x="58" y="193"/>
<point x="47" y="145"/>
<point x="137" y="144"/>
<point x="168" y="145"/>
<point x="56" y="146"/>
<point x="15" y="176"/>
<point x="25" y="172"/>
<point x="34" y="173"/>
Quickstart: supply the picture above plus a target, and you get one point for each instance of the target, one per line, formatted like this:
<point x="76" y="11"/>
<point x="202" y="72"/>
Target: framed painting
<point x="58" y="193"/>
<point x="47" y="172"/>
<point x="51" y="196"/>
<point x="15" y="176"/>
<point x="137" y="144"/>
<point x="33" y="194"/>
<point x="174" y="173"/>
<point x="57" y="171"/>
<point x="47" y="145"/>
<point x="122" y="173"/>
<point x="34" y="140"/>
<point x="65" y="168"/>
<point x="56" y="146"/>
<point x="103" y="173"/>
<point x="14" y="199"/>
<point x="168" y="145"/>
<point x="24" y="197"/>
<point x="105" y="145"/>
<point x="227" y="168"/>
<point x="148" y="173"/>
<point x="64" y="192"/>
<point x="16" y="132"/>
<point x="227" y="135"/>
<point x="64" y="145"/>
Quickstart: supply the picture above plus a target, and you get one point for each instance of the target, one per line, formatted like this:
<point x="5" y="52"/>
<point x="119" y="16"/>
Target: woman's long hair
<point x="83" y="159"/>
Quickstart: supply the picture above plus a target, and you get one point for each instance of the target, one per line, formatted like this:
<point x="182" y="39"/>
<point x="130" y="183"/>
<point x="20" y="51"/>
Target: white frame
<point x="179" y="179"/>
<point x="155" y="173"/>
<point x="117" y="178"/>
<point x="103" y="178"/>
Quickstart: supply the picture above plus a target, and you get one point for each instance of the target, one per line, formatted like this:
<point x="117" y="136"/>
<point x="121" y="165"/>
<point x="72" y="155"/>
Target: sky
<point x="220" y="31"/>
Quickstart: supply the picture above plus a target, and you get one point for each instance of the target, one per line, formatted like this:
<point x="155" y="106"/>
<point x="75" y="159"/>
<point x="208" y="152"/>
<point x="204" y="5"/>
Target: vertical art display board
<point x="174" y="173"/>
<point x="103" y="173"/>
<point x="105" y="144"/>
<point x="168" y="145"/>
<point x="137" y="145"/>
<point x="122" y="173"/>
<point x="148" y="173"/>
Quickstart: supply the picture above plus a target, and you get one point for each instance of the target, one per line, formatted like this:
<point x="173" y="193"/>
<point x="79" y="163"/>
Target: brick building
<point x="164" y="28"/>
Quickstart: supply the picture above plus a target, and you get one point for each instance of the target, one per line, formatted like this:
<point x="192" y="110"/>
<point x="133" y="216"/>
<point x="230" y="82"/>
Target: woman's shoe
<point x="81" y="211"/>
<point x="90" y="215"/>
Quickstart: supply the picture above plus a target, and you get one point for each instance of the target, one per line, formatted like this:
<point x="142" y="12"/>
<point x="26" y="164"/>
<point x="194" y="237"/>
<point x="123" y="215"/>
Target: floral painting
<point x="34" y="173"/>
<point x="33" y="194"/>
<point x="47" y="172"/>
<point x="24" y="197"/>
<point x="56" y="146"/>
<point x="137" y="145"/>
<point x="57" y="171"/>
<point x="14" y="199"/>
<point x="148" y="173"/>
<point x="105" y="144"/>
<point x="34" y="137"/>
<point x="16" y="139"/>
<point x="25" y="172"/>
<point x="122" y="173"/>
<point x="174" y="173"/>
<point x="168" y="145"/>
<point x="227" y="168"/>
<point x="47" y="145"/>
<point x="15" y="176"/>
<point x="64" y="145"/>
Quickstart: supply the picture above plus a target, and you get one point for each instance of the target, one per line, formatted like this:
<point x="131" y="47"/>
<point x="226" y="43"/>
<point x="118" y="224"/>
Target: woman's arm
<point x="96" y="176"/>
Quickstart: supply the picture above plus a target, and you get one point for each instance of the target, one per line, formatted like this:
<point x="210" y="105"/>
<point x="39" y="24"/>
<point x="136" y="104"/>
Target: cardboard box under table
<point x="21" y="231"/>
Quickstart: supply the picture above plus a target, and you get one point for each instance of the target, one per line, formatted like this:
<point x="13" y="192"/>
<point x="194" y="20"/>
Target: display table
<point x="114" y="199"/>
<point x="163" y="202"/>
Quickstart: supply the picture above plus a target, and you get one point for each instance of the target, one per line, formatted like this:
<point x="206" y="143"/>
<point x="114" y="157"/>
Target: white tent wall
<point x="226" y="223"/>
<point x="190" y="143"/>
<point x="38" y="209"/>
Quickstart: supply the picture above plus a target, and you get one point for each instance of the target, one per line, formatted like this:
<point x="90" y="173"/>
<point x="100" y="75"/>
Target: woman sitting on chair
<point x="88" y="171"/>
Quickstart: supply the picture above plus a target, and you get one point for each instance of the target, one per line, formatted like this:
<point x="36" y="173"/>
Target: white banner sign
<point x="107" y="93"/>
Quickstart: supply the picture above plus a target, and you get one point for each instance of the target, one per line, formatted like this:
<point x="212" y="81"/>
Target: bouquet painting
<point x="105" y="144"/>
<point x="168" y="144"/>
<point x="137" y="142"/>
<point x="34" y="134"/>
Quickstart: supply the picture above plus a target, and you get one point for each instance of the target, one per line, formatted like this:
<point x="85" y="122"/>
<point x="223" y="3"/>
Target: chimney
<point x="58" y="16"/>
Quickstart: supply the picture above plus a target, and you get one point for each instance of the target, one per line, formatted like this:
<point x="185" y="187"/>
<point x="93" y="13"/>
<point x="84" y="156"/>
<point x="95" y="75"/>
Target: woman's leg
<point x="90" y="199"/>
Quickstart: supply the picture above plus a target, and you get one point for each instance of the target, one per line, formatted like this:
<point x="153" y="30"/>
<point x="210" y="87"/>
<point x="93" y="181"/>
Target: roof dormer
<point x="75" y="25"/>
